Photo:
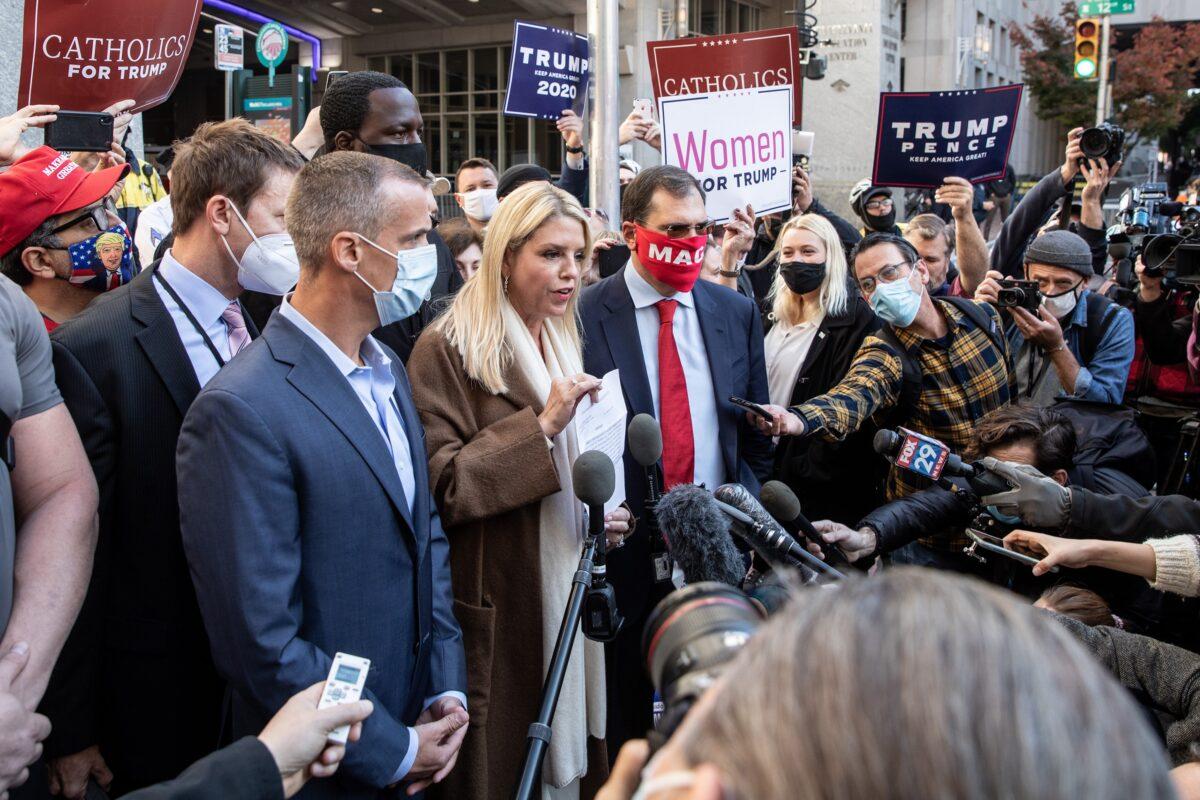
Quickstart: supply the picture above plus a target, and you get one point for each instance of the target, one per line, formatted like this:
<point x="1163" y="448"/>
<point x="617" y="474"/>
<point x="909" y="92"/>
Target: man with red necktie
<point x="683" y="348"/>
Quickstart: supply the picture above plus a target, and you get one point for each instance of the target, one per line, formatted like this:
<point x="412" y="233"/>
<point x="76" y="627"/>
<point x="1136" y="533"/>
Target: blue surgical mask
<point x="416" y="270"/>
<point x="896" y="302"/>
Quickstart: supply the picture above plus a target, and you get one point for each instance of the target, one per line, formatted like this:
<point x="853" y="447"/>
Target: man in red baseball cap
<point x="53" y="215"/>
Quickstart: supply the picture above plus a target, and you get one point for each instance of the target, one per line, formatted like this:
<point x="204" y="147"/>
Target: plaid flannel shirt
<point x="963" y="378"/>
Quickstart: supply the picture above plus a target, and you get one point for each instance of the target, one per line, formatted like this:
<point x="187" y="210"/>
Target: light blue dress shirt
<point x="375" y="385"/>
<point x="206" y="304"/>
<point x="689" y="341"/>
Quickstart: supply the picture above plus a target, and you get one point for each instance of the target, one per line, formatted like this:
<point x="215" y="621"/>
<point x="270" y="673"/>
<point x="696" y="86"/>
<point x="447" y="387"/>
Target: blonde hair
<point x="474" y="323"/>
<point x="835" y="294"/>
<point x="918" y="683"/>
<point x="110" y="237"/>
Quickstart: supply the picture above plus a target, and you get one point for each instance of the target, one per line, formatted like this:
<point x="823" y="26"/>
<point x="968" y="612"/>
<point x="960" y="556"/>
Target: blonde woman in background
<point x="497" y="379"/>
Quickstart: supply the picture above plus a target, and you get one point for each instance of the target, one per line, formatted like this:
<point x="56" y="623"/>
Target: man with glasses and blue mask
<point x="304" y="495"/>
<point x="135" y="698"/>
<point x="78" y="247"/>
<point x="937" y="366"/>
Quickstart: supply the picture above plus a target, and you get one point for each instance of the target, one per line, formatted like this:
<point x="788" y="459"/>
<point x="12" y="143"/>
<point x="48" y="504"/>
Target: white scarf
<point x="581" y="706"/>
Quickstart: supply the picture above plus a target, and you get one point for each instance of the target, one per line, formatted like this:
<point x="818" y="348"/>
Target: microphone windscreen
<point x="780" y="501"/>
<point x="645" y="440"/>
<point x="886" y="442"/>
<point x="593" y="477"/>
<point x="698" y="537"/>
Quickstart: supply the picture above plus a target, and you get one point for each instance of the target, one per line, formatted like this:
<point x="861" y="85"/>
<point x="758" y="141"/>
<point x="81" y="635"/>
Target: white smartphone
<point x="347" y="677"/>
<point x="644" y="108"/>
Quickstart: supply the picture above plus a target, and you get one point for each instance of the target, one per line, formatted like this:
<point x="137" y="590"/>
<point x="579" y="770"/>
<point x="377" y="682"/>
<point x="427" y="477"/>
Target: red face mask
<point x="675" y="262"/>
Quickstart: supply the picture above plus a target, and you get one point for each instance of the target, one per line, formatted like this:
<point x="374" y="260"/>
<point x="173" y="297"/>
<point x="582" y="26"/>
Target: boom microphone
<point x="764" y="534"/>
<point x="781" y="503"/>
<point x="698" y="536"/>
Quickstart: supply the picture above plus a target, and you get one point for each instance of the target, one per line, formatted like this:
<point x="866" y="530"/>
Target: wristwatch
<point x="575" y="150"/>
<point x="735" y="272"/>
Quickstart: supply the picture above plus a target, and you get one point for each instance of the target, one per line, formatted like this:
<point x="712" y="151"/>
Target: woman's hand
<point x="782" y="423"/>
<point x="618" y="524"/>
<point x="565" y="394"/>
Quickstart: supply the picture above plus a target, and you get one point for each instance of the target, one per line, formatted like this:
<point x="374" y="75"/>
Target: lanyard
<point x="187" y="312"/>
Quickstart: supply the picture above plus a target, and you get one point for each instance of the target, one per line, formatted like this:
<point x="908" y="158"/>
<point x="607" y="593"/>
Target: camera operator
<point x="1084" y="336"/>
<point x="856" y="693"/>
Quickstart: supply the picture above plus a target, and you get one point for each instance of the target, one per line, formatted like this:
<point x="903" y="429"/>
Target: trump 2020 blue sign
<point x="548" y="72"/>
<point x="925" y="137"/>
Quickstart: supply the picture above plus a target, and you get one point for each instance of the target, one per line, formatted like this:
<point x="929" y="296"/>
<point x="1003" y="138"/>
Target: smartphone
<point x="90" y="131"/>
<point x="333" y="75"/>
<point x="643" y="108"/>
<point x="996" y="545"/>
<point x="612" y="259"/>
<point x="754" y="407"/>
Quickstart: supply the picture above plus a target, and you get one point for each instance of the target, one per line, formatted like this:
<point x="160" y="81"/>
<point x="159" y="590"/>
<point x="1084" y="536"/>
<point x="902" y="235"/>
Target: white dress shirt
<point x="689" y="341"/>
<point x="785" y="348"/>
<point x="375" y="385"/>
<point x="206" y="304"/>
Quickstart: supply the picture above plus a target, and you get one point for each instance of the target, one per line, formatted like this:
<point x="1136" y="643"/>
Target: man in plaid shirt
<point x="965" y="369"/>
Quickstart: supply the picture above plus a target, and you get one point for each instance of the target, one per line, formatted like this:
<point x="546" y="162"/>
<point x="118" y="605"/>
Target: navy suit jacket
<point x="733" y="340"/>
<point x="301" y="544"/>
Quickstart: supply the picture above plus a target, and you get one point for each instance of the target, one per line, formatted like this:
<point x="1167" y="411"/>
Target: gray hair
<point x="340" y="192"/>
<point x="916" y="684"/>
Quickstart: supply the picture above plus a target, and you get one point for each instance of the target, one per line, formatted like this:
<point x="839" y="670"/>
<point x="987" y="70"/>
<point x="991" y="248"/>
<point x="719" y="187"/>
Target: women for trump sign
<point x="737" y="145"/>
<point x="925" y="137"/>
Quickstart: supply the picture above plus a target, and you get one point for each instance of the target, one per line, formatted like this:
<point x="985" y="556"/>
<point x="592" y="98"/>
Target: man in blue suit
<point x="304" y="494"/>
<point x="683" y="348"/>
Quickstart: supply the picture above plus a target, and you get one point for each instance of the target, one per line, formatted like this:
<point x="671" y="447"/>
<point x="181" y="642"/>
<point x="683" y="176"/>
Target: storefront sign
<point x="85" y="56"/>
<point x="925" y="137"/>
<point x="738" y="145"/>
<point x="229" y="47"/>
<point x="271" y="47"/>
<point x="733" y="63"/>
<point x="548" y="72"/>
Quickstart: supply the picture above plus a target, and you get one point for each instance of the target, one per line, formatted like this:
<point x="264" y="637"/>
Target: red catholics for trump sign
<point x="85" y="55"/>
<point x="734" y="63"/>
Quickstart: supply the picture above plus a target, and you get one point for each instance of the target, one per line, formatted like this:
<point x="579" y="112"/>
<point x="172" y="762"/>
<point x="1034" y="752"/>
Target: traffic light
<point x="1087" y="49"/>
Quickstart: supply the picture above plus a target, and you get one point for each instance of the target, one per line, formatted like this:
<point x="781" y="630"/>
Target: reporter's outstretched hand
<point x="1054" y="551"/>
<point x="298" y="734"/>
<point x="1039" y="501"/>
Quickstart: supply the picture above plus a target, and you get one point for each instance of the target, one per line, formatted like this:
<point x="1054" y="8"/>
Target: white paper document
<point x="600" y="425"/>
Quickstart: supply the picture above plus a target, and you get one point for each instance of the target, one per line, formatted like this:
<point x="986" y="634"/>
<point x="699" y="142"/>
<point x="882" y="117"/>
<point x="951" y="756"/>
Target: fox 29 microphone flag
<point x="924" y="137"/>
<point x="85" y="56"/>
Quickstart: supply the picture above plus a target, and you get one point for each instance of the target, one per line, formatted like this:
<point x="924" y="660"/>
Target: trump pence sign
<point x="925" y="137"/>
<point x="85" y="55"/>
<point x="737" y="145"/>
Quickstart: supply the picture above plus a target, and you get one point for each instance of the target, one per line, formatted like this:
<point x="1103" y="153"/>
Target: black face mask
<point x="413" y="155"/>
<point x="801" y="276"/>
<point x="882" y="224"/>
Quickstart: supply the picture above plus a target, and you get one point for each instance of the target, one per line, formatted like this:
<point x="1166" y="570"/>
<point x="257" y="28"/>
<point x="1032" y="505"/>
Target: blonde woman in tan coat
<point x="497" y="379"/>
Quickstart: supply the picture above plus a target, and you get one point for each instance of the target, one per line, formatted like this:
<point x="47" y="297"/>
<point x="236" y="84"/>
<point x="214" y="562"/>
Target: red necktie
<point x="675" y="415"/>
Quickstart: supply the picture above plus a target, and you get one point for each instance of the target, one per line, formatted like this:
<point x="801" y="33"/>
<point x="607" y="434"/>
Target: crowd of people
<point x="267" y="407"/>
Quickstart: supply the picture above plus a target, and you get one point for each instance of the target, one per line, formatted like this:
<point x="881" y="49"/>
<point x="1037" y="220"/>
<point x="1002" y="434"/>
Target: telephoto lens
<point x="690" y="637"/>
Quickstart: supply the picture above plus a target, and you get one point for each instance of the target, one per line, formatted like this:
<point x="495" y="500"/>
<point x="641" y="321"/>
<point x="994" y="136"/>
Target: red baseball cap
<point x="43" y="184"/>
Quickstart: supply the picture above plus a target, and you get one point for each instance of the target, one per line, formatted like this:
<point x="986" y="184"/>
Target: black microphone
<point x="889" y="444"/>
<point x="781" y="503"/>
<point x="698" y="537"/>
<point x="594" y="479"/>
<point x="764" y="534"/>
<point x="645" y="445"/>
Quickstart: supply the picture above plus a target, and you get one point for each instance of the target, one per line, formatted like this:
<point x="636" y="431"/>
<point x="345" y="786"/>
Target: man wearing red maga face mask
<point x="683" y="347"/>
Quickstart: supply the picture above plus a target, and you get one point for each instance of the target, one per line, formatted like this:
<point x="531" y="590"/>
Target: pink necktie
<point x="239" y="337"/>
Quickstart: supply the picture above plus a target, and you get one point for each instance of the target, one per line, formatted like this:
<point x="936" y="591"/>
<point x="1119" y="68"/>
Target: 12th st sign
<point x="1098" y="8"/>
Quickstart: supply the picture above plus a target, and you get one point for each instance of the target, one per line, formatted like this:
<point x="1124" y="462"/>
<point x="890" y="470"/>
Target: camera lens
<point x="1094" y="142"/>
<point x="690" y="636"/>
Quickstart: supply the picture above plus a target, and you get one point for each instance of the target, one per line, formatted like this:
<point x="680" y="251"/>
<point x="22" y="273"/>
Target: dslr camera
<point x="1019" y="294"/>
<point x="1103" y="141"/>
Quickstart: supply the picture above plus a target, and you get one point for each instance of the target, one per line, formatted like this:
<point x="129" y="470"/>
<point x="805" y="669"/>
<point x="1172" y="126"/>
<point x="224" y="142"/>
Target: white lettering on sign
<point x="553" y="60"/>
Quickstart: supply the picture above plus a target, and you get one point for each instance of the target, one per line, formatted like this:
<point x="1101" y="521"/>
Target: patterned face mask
<point x="103" y="261"/>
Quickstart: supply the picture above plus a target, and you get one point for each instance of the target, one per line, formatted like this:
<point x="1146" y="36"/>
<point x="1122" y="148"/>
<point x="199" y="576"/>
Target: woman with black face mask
<point x="817" y="323"/>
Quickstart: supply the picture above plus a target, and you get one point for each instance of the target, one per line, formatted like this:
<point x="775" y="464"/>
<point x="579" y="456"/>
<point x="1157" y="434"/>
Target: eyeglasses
<point x="890" y="272"/>
<point x="878" y="205"/>
<point x="101" y="216"/>
<point x="681" y="230"/>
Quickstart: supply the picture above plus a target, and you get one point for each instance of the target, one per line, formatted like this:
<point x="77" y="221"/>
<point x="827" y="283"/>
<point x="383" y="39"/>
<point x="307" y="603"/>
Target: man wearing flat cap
<point x="1080" y="344"/>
